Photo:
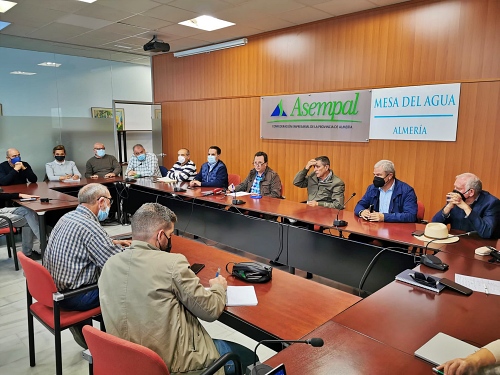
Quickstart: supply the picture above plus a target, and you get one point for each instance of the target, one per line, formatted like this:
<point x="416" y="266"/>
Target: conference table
<point x="374" y="335"/>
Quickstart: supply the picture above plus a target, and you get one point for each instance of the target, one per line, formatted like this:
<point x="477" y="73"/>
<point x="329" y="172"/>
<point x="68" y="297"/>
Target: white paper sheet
<point x="478" y="284"/>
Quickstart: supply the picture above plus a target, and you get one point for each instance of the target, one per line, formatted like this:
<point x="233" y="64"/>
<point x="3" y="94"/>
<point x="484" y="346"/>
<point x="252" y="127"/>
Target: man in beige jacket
<point x="151" y="297"/>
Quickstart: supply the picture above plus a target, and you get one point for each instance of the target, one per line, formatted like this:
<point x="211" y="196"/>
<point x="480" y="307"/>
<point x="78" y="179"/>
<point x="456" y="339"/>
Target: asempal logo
<point x="278" y="111"/>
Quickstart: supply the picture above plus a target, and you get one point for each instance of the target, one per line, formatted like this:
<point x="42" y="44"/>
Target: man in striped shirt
<point x="78" y="248"/>
<point x="184" y="169"/>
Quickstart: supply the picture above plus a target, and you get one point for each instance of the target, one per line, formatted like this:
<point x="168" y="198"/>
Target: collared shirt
<point x="148" y="167"/>
<point x="256" y="184"/>
<point x="77" y="250"/>
<point x="181" y="172"/>
<point x="385" y="199"/>
<point x="328" y="176"/>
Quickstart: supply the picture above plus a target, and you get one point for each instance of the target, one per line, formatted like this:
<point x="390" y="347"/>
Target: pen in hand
<point x="434" y="369"/>
<point x="218" y="272"/>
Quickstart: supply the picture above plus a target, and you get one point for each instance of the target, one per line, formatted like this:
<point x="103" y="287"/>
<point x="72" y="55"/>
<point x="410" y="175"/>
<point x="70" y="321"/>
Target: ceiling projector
<point x="155" y="46"/>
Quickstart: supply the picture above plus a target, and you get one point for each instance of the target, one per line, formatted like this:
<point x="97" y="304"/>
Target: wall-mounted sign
<point x="327" y="116"/>
<point x="420" y="113"/>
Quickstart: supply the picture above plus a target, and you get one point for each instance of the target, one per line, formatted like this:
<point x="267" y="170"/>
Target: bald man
<point x="14" y="171"/>
<point x="102" y="164"/>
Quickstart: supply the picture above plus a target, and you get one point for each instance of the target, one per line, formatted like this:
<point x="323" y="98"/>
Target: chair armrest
<point x="214" y="367"/>
<point x="59" y="296"/>
<point x="9" y="222"/>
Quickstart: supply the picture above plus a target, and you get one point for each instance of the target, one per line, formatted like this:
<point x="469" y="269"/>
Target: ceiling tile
<point x="339" y="7"/>
<point x="58" y="32"/>
<point x="202" y="7"/>
<point x="387" y="2"/>
<point x="311" y="2"/>
<point x="17" y="29"/>
<point x="272" y="7"/>
<point x="146" y="22"/>
<point x="132" y="6"/>
<point x="119" y="28"/>
<point x="305" y="15"/>
<point x="82" y="21"/>
<point x="270" y="23"/>
<point x="135" y="41"/>
<point x="95" y="38"/>
<point x="171" y="14"/>
<point x="181" y="30"/>
<point x="236" y="2"/>
<point x="61" y="5"/>
<point x="95" y="10"/>
<point x="31" y="15"/>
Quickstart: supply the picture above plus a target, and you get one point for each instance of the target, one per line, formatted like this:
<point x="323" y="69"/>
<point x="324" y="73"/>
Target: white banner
<point x="327" y="116"/>
<point x="418" y="113"/>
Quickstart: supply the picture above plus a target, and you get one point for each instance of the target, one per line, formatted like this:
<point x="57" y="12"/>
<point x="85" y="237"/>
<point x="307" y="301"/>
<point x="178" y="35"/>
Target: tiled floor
<point x="14" y="359"/>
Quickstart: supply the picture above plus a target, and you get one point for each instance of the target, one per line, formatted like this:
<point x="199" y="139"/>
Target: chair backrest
<point x="113" y="355"/>
<point x="234" y="179"/>
<point x="420" y="211"/>
<point x="163" y="171"/>
<point x="40" y="282"/>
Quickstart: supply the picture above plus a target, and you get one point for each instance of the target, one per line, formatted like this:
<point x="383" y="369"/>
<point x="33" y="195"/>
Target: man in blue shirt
<point x="470" y="208"/>
<point x="388" y="199"/>
<point x="213" y="173"/>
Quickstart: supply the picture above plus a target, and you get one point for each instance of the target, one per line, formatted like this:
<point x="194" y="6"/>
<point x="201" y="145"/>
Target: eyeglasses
<point x="110" y="200"/>
<point x="258" y="163"/>
<point x="420" y="278"/>
<point x="100" y="148"/>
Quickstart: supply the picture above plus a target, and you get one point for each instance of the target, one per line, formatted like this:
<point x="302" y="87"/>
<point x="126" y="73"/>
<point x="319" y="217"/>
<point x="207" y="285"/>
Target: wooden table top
<point x="289" y="306"/>
<point x="346" y="352"/>
<point x="406" y="317"/>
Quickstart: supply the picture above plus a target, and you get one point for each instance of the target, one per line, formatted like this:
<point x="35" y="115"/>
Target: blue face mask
<point x="15" y="160"/>
<point x="103" y="215"/>
<point x="211" y="159"/>
<point x="141" y="157"/>
<point x="101" y="153"/>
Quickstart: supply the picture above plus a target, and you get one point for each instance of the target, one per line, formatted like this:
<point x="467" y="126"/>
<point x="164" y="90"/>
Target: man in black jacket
<point x="14" y="171"/>
<point x="22" y="217"/>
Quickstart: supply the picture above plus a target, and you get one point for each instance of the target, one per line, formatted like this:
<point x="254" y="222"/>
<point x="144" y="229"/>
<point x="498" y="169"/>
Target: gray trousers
<point x="25" y="218"/>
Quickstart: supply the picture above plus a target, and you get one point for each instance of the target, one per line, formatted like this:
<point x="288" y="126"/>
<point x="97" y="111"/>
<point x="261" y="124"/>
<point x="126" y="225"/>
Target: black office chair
<point x="163" y="171"/>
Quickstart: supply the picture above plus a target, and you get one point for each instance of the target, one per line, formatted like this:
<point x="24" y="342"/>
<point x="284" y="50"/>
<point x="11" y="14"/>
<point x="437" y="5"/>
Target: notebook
<point x="442" y="348"/>
<point x="406" y="278"/>
<point x="279" y="370"/>
<point x="241" y="296"/>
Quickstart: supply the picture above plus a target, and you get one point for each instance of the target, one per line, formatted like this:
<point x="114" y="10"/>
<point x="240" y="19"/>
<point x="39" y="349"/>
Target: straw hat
<point x="437" y="233"/>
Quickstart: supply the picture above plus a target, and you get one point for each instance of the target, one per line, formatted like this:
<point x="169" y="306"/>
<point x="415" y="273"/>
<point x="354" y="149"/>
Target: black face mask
<point x="378" y="181"/>
<point x="60" y="157"/>
<point x="167" y="248"/>
<point x="461" y="195"/>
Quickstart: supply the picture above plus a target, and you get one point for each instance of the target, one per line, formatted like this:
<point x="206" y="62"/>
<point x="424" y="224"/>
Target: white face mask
<point x="181" y="159"/>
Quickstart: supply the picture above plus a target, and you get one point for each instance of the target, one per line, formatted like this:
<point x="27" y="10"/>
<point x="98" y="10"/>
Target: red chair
<point x="40" y="285"/>
<point x="234" y="179"/>
<point x="112" y="355"/>
<point x="9" y="231"/>
<point x="420" y="212"/>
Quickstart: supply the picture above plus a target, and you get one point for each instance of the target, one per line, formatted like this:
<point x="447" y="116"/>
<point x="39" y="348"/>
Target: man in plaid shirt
<point x="143" y="163"/>
<point x="78" y="248"/>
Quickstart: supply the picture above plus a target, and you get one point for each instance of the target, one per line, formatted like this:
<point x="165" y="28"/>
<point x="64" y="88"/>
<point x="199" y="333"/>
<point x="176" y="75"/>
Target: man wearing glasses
<point x="14" y="171"/>
<point x="323" y="187"/>
<point x="102" y="164"/>
<point x="78" y="248"/>
<point x="261" y="180"/>
<point x="143" y="163"/>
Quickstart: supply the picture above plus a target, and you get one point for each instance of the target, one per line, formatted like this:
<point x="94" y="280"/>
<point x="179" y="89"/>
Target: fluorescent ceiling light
<point x="213" y="47"/>
<point x="6" y="5"/>
<point x="22" y="73"/>
<point x="3" y="24"/>
<point x="87" y="1"/>
<point x="51" y="64"/>
<point x="207" y="23"/>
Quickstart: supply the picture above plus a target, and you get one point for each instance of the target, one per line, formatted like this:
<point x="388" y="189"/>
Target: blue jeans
<point x="245" y="354"/>
<point x="82" y="302"/>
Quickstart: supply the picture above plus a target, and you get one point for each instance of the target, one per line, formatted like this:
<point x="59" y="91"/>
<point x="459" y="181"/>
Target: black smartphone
<point x="371" y="208"/>
<point x="457" y="287"/>
<point x="417" y="232"/>
<point x="197" y="267"/>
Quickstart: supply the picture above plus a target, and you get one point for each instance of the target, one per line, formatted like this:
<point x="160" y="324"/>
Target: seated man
<point x="261" y="180"/>
<point x="14" y="171"/>
<point x="61" y="169"/>
<point x="388" y="199"/>
<point x="143" y="163"/>
<point x="213" y="173"/>
<point x="184" y="169"/>
<point x="24" y="218"/>
<point x="487" y="355"/>
<point x="151" y="297"/>
<point x="471" y="208"/>
<point x="102" y="164"/>
<point x="78" y="248"/>
<point x="323" y="187"/>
